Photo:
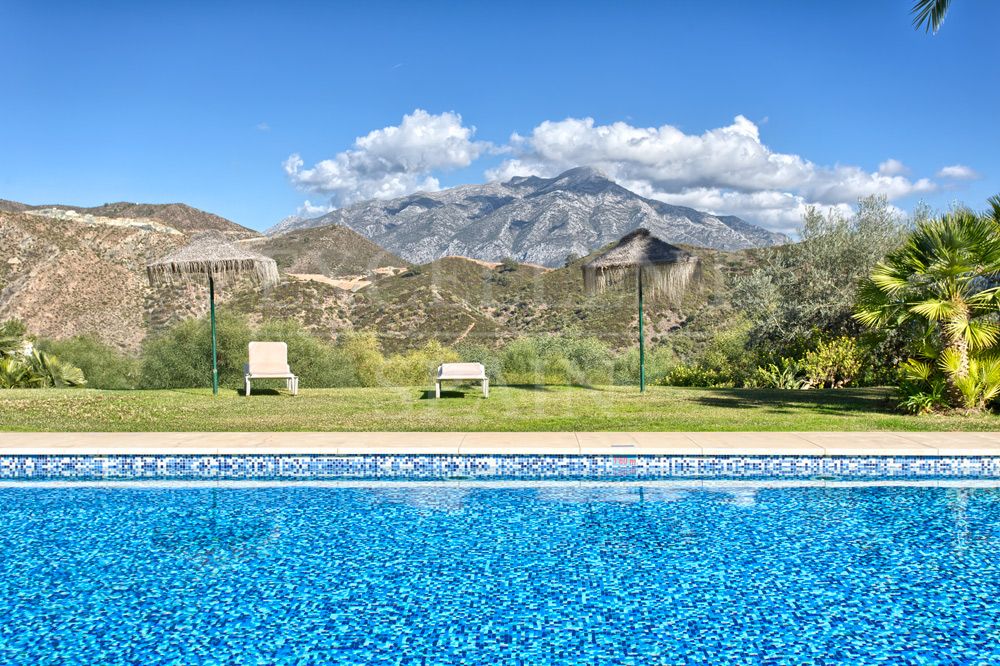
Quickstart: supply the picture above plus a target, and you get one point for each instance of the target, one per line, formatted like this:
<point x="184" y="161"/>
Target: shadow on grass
<point x="429" y="395"/>
<point x="549" y="388"/>
<point x="463" y="391"/>
<point x="259" y="391"/>
<point x="841" y="402"/>
<point x="207" y="392"/>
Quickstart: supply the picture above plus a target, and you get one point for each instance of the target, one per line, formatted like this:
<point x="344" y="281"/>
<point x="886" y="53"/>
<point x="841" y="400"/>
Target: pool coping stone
<point x="820" y="444"/>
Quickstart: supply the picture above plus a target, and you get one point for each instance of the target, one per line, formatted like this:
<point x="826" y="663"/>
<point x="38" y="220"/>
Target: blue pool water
<point x="611" y="574"/>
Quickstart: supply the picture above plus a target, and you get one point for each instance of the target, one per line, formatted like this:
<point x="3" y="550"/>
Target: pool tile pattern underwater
<point x="442" y="466"/>
<point x="565" y="575"/>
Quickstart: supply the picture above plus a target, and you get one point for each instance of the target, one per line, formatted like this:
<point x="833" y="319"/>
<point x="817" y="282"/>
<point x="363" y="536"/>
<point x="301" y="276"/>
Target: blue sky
<point x="752" y="108"/>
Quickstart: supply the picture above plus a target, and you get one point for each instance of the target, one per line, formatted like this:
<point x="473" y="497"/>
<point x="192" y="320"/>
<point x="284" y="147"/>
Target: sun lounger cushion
<point x="462" y="371"/>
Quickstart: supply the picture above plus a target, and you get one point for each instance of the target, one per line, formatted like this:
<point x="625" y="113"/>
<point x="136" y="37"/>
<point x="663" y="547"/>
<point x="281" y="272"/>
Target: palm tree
<point x="929" y="14"/>
<point x="945" y="276"/>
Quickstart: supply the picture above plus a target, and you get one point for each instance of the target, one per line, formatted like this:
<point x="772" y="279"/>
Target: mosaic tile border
<point x="491" y="466"/>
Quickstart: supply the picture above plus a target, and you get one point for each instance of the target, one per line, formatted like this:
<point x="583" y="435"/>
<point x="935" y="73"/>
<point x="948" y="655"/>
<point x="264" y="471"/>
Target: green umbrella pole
<point x="642" y="343"/>
<point x="215" y="357"/>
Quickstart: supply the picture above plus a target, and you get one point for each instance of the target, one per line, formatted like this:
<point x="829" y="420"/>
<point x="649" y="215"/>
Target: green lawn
<point x="508" y="408"/>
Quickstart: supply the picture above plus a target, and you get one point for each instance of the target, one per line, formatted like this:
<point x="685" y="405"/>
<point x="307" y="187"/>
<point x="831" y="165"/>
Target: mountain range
<point x="532" y="220"/>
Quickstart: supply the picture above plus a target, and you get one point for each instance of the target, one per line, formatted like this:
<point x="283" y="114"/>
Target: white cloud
<point x="893" y="167"/>
<point x="263" y="127"/>
<point x="391" y="161"/>
<point x="775" y="210"/>
<point x="727" y="170"/>
<point x="309" y="209"/>
<point x="958" y="172"/>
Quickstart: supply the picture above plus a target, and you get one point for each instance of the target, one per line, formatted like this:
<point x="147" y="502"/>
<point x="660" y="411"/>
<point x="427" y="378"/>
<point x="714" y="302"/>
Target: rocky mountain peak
<point x="531" y="219"/>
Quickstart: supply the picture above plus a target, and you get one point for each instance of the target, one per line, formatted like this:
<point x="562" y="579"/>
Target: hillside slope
<point x="330" y="250"/>
<point x="457" y="299"/>
<point x="178" y="216"/>
<point x="66" y="277"/>
<point x="63" y="278"/>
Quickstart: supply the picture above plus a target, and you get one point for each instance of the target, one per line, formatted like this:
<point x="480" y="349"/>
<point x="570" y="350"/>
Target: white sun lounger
<point x="462" y="372"/>
<point x="269" y="360"/>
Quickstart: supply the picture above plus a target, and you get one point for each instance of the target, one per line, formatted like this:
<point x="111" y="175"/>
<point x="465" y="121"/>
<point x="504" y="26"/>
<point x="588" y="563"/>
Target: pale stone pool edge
<point x="487" y="443"/>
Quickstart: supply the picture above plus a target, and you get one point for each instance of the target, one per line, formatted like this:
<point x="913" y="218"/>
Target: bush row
<point x="179" y="358"/>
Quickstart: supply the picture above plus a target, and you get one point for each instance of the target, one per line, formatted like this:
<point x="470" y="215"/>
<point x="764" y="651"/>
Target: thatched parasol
<point x="656" y="267"/>
<point x="211" y="255"/>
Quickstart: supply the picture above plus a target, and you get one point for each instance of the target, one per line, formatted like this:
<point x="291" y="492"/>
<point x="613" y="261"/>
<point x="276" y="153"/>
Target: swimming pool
<point x="523" y="573"/>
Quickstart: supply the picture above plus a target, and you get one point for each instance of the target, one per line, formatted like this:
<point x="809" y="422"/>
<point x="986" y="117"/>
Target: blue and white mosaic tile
<point x="444" y="466"/>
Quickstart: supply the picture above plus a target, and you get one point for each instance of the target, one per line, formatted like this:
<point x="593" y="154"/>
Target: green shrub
<point x="660" y="360"/>
<point x="725" y="361"/>
<point x="16" y="372"/>
<point x="499" y="279"/>
<point x="589" y="361"/>
<point x="921" y="387"/>
<point x="787" y="373"/>
<point x="474" y="352"/>
<point x="981" y="386"/>
<point x="508" y="265"/>
<point x="104" y="366"/>
<point x="182" y="356"/>
<point x="521" y="362"/>
<point x="56" y="372"/>
<point x="555" y="359"/>
<point x="834" y="363"/>
<point x="697" y="375"/>
<point x="38" y="370"/>
<point x="13" y="333"/>
<point x="626" y="367"/>
<point x="417" y="367"/>
<point x="361" y="354"/>
<point x="23" y="365"/>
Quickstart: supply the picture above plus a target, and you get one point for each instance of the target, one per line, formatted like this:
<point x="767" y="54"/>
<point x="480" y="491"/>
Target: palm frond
<point x="951" y="362"/>
<point x="888" y="279"/>
<point x="916" y="371"/>
<point x="873" y="308"/>
<point x="934" y="309"/>
<point x="994" y="211"/>
<point x="979" y="334"/>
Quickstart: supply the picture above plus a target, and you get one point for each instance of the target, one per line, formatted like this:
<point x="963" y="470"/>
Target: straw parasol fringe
<point x="666" y="269"/>
<point x="211" y="254"/>
<point x="667" y="280"/>
<point x="261" y="272"/>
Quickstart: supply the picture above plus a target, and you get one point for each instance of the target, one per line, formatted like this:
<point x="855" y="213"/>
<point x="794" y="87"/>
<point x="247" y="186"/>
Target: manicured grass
<point x="508" y="408"/>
